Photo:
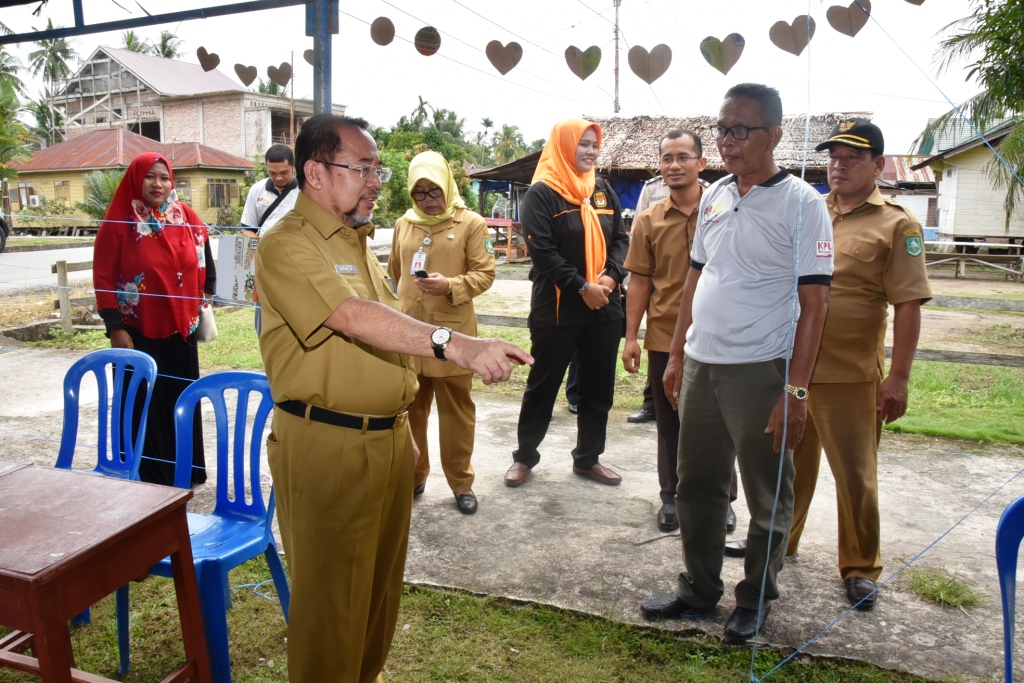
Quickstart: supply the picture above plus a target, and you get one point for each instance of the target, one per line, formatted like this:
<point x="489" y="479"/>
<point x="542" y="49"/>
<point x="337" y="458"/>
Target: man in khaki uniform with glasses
<point x="336" y="353"/>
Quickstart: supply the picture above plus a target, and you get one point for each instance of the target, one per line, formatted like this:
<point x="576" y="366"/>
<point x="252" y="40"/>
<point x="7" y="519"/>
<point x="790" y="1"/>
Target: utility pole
<point x="291" y="123"/>
<point x="617" y="3"/>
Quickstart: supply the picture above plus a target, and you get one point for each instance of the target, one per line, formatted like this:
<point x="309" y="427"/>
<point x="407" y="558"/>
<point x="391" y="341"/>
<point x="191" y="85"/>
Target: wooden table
<point x="507" y="229"/>
<point x="68" y="539"/>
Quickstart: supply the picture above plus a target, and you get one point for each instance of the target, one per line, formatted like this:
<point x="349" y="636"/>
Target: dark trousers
<point x="667" y="420"/>
<point x="572" y="382"/>
<point x="597" y="346"/>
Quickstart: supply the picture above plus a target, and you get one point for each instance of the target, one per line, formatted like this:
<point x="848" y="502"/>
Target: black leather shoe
<point x="743" y="623"/>
<point x="667" y="520"/>
<point x="736" y="548"/>
<point x="640" y="416"/>
<point x="730" y="520"/>
<point x="861" y="593"/>
<point x="466" y="503"/>
<point x="419" y="489"/>
<point x="669" y="606"/>
<point x="573" y="408"/>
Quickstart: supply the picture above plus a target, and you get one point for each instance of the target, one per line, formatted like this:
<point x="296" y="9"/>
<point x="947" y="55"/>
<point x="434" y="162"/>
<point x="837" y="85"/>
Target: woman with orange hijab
<point x="577" y="241"/>
<point x="151" y="265"/>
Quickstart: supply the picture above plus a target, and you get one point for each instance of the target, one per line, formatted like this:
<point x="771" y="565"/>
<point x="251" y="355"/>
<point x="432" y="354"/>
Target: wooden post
<point x="65" y="298"/>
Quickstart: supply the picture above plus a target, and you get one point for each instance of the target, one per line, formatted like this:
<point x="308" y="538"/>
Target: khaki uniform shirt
<point x="654" y="191"/>
<point x="879" y="260"/>
<point x="459" y="250"/>
<point x="660" y="249"/>
<point x="306" y="266"/>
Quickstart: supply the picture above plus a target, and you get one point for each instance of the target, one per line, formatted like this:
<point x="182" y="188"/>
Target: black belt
<point x="318" y="414"/>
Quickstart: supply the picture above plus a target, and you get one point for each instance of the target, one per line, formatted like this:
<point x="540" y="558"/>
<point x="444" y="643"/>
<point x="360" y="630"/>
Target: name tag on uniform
<point x="345" y="269"/>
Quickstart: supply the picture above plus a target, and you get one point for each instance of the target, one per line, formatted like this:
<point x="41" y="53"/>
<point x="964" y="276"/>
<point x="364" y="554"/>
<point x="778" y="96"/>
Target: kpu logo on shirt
<point x="824" y="249"/>
<point x="600" y="200"/>
<point x="712" y="212"/>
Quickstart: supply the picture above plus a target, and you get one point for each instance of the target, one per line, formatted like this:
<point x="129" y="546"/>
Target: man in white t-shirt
<point x="270" y="200"/>
<point x="762" y="237"/>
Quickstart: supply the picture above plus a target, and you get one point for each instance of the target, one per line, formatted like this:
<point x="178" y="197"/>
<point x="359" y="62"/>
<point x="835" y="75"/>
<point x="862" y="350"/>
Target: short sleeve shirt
<point x="746" y="250"/>
<point x="261" y="197"/>
<point x="654" y="191"/>
<point x="306" y="267"/>
<point x="660" y="249"/>
<point x="879" y="261"/>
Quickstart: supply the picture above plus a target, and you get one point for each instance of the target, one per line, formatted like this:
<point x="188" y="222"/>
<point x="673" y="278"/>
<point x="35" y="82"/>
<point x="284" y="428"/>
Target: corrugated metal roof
<point x="899" y="169"/>
<point x="169" y="77"/>
<point x="116" y="147"/>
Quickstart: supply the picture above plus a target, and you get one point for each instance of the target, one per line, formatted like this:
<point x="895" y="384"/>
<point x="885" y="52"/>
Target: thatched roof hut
<point x="630" y="144"/>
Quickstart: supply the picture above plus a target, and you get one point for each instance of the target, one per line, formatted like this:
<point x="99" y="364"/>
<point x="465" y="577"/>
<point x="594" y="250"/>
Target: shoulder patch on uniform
<point x="488" y="245"/>
<point x="914" y="245"/>
<point x="600" y="200"/>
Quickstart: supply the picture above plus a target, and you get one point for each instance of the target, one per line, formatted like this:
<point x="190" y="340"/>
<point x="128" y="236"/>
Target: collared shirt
<point x="305" y="268"/>
<point x="261" y="196"/>
<point x="746" y="249"/>
<point x="654" y="190"/>
<point x="660" y="249"/>
<point x="879" y="261"/>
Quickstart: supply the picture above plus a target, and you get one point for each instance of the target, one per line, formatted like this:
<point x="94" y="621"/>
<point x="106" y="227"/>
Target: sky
<point x="888" y="69"/>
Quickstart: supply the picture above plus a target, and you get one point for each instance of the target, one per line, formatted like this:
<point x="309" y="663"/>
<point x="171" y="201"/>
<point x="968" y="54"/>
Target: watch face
<point x="801" y="394"/>
<point x="441" y="336"/>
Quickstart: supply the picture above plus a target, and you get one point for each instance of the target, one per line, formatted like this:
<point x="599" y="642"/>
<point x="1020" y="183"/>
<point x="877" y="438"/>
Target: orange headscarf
<point x="557" y="170"/>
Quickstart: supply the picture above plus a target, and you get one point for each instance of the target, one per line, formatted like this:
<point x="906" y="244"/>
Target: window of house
<point x="184" y="188"/>
<point x="62" y="189"/>
<point x="222" y="191"/>
<point x="933" y="211"/>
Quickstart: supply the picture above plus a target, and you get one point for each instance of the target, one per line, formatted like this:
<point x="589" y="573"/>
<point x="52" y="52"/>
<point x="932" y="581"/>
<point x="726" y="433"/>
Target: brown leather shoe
<point x="600" y="474"/>
<point x="861" y="593"/>
<point x="516" y="474"/>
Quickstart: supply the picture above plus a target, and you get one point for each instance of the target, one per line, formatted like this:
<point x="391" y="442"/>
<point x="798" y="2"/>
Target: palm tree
<point x="536" y="146"/>
<point x="99" y="191"/>
<point x="133" y="43"/>
<point x="48" y="121"/>
<point x="450" y="125"/>
<point x="9" y="68"/>
<point x="13" y="136"/>
<point x="51" y="59"/>
<point x="419" y="114"/>
<point x="508" y="144"/>
<point x="169" y="46"/>
<point x="989" y="35"/>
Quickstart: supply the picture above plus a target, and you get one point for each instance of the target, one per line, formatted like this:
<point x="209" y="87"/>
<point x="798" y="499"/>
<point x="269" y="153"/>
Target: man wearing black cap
<point x="879" y="261"/>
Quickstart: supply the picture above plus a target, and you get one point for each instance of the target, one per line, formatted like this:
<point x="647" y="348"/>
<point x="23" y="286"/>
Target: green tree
<point x="10" y="67"/>
<point x="168" y="47"/>
<point x="394" y="198"/>
<point x="134" y="43"/>
<point x="988" y="41"/>
<point x="269" y="88"/>
<point x="13" y="136"/>
<point x="536" y="146"/>
<point x="48" y="121"/>
<point x="507" y="144"/>
<point x="51" y="59"/>
<point x="100" y="187"/>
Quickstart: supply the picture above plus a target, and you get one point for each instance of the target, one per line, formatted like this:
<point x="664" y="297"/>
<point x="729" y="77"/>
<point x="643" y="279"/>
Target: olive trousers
<point x="344" y="500"/>
<point x="456" y="416"/>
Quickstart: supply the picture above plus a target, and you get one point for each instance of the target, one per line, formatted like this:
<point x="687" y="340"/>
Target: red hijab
<point x="149" y="263"/>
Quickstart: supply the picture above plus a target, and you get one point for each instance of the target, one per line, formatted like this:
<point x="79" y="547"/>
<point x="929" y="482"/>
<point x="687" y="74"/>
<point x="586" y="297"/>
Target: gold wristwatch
<point x="800" y="393"/>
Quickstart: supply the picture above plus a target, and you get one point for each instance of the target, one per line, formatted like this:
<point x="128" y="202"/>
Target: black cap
<point x="859" y="133"/>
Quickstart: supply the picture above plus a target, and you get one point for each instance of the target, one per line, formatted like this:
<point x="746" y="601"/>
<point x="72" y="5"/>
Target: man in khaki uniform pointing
<point x="335" y="351"/>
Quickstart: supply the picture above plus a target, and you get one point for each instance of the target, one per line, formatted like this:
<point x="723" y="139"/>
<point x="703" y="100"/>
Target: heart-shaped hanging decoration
<point x="308" y="56"/>
<point x="427" y="41"/>
<point x="280" y="74"/>
<point x="916" y="2"/>
<point x="382" y="31"/>
<point x="206" y="60"/>
<point x="723" y="54"/>
<point x="583" y="62"/>
<point x="650" y="66"/>
<point x="849" y="20"/>
<point x="246" y="74"/>
<point x="792" y="38"/>
<point x="504" y="58"/>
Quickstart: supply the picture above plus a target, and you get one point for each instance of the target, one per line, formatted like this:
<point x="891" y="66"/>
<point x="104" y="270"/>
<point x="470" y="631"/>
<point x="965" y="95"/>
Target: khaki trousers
<point x="842" y="419"/>
<point x="343" y="504"/>
<point x="456" y="416"/>
<point x="723" y="412"/>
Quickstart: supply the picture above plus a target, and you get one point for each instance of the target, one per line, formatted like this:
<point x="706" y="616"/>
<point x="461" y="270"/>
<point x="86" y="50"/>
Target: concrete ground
<point x="566" y="541"/>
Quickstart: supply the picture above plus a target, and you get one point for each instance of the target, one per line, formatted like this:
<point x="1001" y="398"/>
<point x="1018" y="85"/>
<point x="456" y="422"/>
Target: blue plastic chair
<point x="119" y="456"/>
<point x="238" y="529"/>
<point x="1008" y="537"/>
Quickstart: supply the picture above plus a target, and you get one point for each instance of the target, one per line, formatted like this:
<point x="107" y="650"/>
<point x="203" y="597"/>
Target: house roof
<point x="116" y="147"/>
<point x="168" y="77"/>
<point x="901" y="170"/>
<point x="993" y="135"/>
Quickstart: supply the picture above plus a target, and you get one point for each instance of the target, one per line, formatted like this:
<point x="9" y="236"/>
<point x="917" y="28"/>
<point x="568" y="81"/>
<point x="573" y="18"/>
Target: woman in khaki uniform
<point x="447" y="244"/>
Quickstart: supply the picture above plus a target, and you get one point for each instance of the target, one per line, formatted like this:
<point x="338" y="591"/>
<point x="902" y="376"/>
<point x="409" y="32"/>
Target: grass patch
<point x="943" y="588"/>
<point x="446" y="635"/>
<point x="48" y="241"/>
<point x="1002" y="338"/>
<point x="973" y="402"/>
<point x="29" y="308"/>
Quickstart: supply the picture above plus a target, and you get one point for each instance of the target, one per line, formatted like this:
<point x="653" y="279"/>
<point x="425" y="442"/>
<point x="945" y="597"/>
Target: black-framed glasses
<point x="433" y="194"/>
<point x="738" y="132"/>
<point x="681" y="158"/>
<point x="365" y="172"/>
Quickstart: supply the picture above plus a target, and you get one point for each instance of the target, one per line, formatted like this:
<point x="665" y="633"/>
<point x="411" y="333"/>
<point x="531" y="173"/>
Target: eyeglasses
<point x="433" y="194"/>
<point x="365" y="172"/>
<point x="738" y="132"/>
<point x="681" y="158"/>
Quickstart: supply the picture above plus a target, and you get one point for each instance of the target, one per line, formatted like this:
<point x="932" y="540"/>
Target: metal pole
<point x="291" y="119"/>
<point x="321" y="58"/>
<point x="617" y="3"/>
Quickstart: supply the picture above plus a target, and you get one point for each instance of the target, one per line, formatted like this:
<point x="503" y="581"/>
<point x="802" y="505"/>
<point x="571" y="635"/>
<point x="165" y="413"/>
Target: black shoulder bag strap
<point x="270" y="209"/>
